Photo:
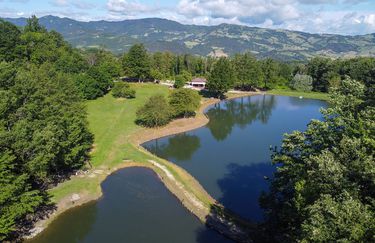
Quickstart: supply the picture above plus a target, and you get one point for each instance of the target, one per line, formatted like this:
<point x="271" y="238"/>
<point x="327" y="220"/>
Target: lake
<point x="137" y="208"/>
<point x="230" y="156"/>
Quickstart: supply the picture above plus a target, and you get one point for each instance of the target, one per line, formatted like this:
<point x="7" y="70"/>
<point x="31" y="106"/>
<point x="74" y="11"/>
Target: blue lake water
<point x="230" y="156"/>
<point x="135" y="208"/>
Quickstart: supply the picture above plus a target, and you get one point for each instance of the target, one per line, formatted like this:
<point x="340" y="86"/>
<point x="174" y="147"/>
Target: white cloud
<point x="79" y="4"/>
<point x="126" y="8"/>
<point x="247" y="11"/>
<point x="285" y="14"/>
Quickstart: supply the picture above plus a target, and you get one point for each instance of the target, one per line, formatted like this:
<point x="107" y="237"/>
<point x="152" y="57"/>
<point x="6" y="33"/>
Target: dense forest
<point x="44" y="134"/>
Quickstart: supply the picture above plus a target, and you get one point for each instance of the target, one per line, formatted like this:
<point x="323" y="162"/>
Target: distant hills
<point x="224" y="39"/>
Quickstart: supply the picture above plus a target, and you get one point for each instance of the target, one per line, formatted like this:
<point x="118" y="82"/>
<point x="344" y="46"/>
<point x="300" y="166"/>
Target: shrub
<point x="156" y="112"/>
<point x="184" y="102"/>
<point x="302" y="82"/>
<point x="123" y="90"/>
<point x="182" y="79"/>
<point x="88" y="86"/>
<point x="179" y="82"/>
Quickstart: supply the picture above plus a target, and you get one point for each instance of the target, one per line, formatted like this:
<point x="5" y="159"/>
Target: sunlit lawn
<point x="311" y="95"/>
<point x="111" y="121"/>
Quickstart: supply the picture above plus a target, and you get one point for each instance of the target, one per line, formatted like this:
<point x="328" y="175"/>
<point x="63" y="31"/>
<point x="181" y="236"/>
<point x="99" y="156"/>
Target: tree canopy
<point x="324" y="187"/>
<point x="221" y="78"/>
<point x="156" y="112"/>
<point x="184" y="102"/>
<point x="43" y="128"/>
<point x="136" y="62"/>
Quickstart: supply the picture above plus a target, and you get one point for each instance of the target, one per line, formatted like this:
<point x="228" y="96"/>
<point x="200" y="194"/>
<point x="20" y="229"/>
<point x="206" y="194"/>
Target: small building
<point x="198" y="83"/>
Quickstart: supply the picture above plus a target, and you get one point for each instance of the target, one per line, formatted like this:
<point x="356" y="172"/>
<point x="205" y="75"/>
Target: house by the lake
<point x="199" y="83"/>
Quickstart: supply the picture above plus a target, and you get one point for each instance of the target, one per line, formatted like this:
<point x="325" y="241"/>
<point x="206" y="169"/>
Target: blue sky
<point x="348" y="17"/>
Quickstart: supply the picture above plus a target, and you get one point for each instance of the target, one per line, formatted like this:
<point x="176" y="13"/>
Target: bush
<point x="123" y="90"/>
<point x="88" y="86"/>
<point x="182" y="79"/>
<point x="156" y="112"/>
<point x="184" y="102"/>
<point x="302" y="82"/>
<point x="179" y="82"/>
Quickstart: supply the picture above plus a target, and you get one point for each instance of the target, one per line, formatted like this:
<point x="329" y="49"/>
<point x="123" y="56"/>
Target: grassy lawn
<point x="112" y="122"/>
<point x="310" y="95"/>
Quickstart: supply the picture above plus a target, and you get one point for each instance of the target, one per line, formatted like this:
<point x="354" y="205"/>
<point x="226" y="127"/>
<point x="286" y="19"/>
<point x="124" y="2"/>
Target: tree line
<point x="43" y="127"/>
<point x="245" y="72"/>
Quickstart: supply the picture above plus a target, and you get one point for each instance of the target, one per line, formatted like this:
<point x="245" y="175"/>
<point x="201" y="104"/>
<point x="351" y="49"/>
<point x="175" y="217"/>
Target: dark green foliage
<point x="7" y="75"/>
<point x="33" y="25"/>
<point x="184" y="102"/>
<point x="102" y="77"/>
<point x="71" y="62"/>
<point x="271" y="72"/>
<point x="179" y="82"/>
<point x="156" y="112"/>
<point x="17" y="198"/>
<point x="302" y="82"/>
<point x="248" y="71"/>
<point x="319" y="69"/>
<point x="9" y="41"/>
<point x="221" y="78"/>
<point x="136" y="62"/>
<point x="182" y="79"/>
<point x="156" y="74"/>
<point x="43" y="127"/>
<point x="123" y="90"/>
<point x="88" y="87"/>
<point x="324" y="187"/>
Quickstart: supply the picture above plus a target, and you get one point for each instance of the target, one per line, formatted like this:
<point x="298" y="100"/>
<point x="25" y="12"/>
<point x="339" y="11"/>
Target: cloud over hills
<point x="315" y="16"/>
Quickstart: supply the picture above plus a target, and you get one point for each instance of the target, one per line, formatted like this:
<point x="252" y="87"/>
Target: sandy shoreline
<point x="190" y="196"/>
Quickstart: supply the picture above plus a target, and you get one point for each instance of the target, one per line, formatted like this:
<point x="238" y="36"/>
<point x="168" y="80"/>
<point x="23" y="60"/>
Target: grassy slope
<point x="112" y="122"/>
<point x="311" y="95"/>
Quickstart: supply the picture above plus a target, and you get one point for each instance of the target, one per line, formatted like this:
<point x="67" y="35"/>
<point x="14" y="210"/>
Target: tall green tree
<point x="9" y="41"/>
<point x="271" y="73"/>
<point x="221" y="78"/>
<point x="247" y="71"/>
<point x="319" y="69"/>
<point x="17" y="198"/>
<point x="136" y="62"/>
<point x="33" y="25"/>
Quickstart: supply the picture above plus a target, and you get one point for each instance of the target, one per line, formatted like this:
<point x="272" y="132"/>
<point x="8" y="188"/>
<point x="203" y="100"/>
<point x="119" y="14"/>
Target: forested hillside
<point x="44" y="135"/>
<point x="165" y="35"/>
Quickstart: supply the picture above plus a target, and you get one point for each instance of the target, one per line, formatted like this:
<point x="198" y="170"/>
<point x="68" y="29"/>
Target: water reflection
<point x="242" y="112"/>
<point x="191" y="144"/>
<point x="243" y="182"/>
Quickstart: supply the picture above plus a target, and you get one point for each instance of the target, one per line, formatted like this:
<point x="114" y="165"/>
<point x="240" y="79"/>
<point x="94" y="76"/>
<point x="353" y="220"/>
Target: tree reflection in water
<point x="173" y="147"/>
<point x="223" y="117"/>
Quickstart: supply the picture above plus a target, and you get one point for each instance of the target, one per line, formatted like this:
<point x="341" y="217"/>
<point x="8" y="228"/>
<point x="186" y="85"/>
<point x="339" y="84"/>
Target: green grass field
<point x="309" y="95"/>
<point x="111" y="121"/>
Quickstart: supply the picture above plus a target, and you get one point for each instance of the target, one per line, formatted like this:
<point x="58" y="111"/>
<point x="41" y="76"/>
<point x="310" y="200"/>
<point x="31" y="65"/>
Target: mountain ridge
<point x="220" y="40"/>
